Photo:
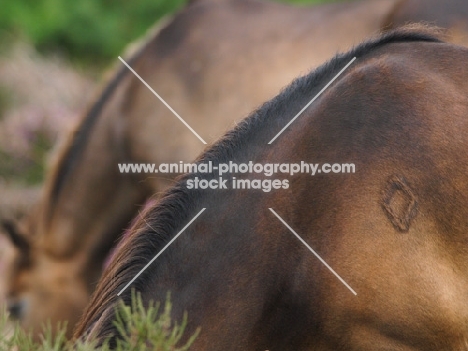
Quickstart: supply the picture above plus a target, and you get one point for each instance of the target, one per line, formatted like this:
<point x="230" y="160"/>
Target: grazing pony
<point x="214" y="62"/>
<point x="396" y="230"/>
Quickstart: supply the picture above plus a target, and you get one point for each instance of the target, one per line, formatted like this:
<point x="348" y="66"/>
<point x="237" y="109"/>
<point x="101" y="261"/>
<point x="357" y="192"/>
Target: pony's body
<point x="396" y="231"/>
<point x="213" y="63"/>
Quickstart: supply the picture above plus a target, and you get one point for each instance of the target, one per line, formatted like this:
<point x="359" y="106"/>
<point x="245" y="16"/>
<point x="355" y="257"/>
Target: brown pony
<point x="213" y="63"/>
<point x="396" y="230"/>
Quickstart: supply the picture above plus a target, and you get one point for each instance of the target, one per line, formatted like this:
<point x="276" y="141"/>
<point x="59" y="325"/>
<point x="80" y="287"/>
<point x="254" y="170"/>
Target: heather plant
<point x="40" y="98"/>
<point x="139" y="328"/>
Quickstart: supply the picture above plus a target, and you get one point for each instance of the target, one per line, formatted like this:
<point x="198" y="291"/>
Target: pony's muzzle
<point x="16" y="309"/>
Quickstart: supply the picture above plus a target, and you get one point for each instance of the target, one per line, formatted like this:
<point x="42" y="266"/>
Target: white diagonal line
<point x="162" y="100"/>
<point x="311" y="250"/>
<point x="160" y="252"/>
<point x="311" y="101"/>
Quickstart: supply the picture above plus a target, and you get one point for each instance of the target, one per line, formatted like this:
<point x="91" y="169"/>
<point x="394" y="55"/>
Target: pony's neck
<point x="95" y="201"/>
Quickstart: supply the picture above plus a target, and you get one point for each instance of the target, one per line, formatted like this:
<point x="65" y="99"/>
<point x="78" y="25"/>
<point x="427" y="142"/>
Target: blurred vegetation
<point x="5" y="100"/>
<point x="26" y="171"/>
<point x="90" y="31"/>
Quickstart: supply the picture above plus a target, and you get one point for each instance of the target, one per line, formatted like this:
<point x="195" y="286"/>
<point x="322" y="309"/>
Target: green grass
<point x="139" y="328"/>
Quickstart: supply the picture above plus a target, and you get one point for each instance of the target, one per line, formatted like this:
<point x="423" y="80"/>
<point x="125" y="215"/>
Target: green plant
<point x="138" y="325"/>
<point x="139" y="328"/>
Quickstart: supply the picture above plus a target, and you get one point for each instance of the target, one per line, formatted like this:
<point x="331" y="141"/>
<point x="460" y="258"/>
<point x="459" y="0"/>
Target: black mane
<point x="179" y="204"/>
